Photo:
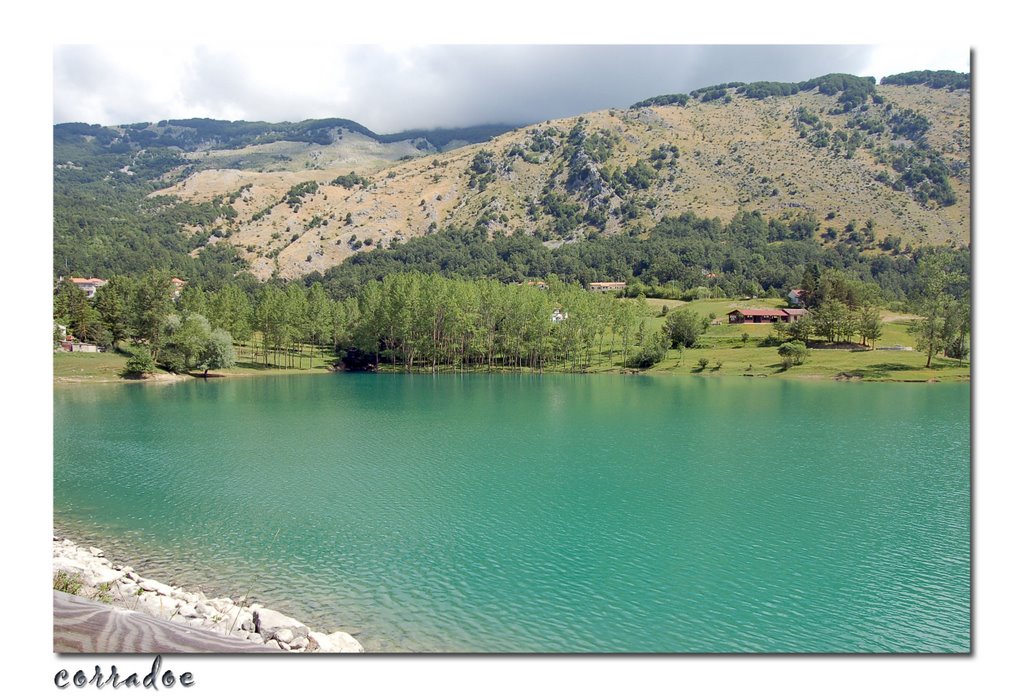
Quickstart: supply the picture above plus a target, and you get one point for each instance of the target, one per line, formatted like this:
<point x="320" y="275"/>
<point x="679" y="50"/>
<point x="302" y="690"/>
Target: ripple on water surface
<point x="554" y="513"/>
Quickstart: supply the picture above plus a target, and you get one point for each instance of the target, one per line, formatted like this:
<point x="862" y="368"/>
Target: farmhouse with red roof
<point x="763" y="315"/>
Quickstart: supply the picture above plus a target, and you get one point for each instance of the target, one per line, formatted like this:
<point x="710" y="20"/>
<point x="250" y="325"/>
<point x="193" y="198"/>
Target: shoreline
<point x="173" y="378"/>
<point x="88" y="572"/>
<point x="170" y="378"/>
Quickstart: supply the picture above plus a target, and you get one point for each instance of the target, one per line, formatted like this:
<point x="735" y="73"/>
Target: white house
<point x="605" y="286"/>
<point x="88" y="285"/>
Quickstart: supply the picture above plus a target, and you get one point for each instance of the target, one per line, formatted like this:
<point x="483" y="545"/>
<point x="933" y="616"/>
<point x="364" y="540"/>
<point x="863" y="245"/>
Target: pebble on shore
<point x="122" y="587"/>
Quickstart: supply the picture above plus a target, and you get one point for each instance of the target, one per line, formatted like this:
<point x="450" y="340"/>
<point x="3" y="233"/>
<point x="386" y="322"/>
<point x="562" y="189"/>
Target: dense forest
<point x="851" y="91"/>
<point x="936" y="79"/>
<point x="681" y="255"/>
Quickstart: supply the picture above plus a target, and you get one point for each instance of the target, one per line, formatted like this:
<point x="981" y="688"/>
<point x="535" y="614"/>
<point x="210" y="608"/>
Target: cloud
<point x="391" y="88"/>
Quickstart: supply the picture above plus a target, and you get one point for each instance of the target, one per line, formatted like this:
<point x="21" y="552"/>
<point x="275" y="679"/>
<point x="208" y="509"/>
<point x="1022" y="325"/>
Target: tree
<point x="627" y="318"/>
<point x="140" y="362"/>
<point x="800" y="329"/>
<point x="928" y="332"/>
<point x="956" y="328"/>
<point x="809" y="285"/>
<point x="218" y="352"/>
<point x="193" y="301"/>
<point x="114" y="303"/>
<point x="869" y="325"/>
<point x="71" y="307"/>
<point x="185" y="342"/>
<point x="932" y="306"/>
<point x="684" y="327"/>
<point x="830" y="320"/>
<point x="229" y="309"/>
<point x="318" y="317"/>
<point x="793" y="353"/>
<point x="651" y="351"/>
<point x="269" y="318"/>
<point x="152" y="303"/>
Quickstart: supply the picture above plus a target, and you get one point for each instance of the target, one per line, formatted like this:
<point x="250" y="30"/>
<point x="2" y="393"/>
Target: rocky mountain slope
<point x="875" y="165"/>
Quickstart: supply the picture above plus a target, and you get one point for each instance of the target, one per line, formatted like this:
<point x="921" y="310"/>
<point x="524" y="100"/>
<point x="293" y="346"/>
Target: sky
<point x="394" y="88"/>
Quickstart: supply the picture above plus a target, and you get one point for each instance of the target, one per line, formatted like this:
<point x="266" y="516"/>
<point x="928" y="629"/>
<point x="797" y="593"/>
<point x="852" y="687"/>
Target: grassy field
<point x="107" y="367"/>
<point x="88" y="367"/>
<point x="724" y="344"/>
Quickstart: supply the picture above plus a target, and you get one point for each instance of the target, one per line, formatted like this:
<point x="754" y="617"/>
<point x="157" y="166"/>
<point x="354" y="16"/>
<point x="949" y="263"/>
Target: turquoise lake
<point x="541" y="513"/>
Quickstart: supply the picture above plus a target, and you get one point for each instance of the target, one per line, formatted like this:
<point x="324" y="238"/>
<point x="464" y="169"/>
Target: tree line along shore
<point x="415" y="321"/>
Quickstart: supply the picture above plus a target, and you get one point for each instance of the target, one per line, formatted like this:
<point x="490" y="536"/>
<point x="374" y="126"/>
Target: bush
<point x="684" y="327"/>
<point x="652" y="351"/>
<point x="140" y="362"/>
<point x="173" y="361"/>
<point x="67" y="583"/>
<point x="351" y="180"/>
<point x="702" y="364"/>
<point x="793" y="353"/>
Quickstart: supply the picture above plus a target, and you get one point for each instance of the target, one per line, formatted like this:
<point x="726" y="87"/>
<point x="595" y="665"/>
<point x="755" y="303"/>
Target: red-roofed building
<point x="757" y="316"/>
<point x="88" y="285"/>
<point x="796" y="297"/>
<point x="178" y="285"/>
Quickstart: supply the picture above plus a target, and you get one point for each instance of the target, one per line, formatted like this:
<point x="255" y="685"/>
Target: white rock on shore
<point x="122" y="587"/>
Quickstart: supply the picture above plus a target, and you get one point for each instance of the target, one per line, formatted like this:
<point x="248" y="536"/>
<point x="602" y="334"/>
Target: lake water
<point x="555" y="513"/>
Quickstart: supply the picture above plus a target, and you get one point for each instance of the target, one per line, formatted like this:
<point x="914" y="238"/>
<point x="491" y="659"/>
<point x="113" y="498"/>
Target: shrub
<point x="793" y="353"/>
<point x="140" y="362"/>
<point x="102" y="593"/>
<point x="351" y="180"/>
<point x="67" y="583"/>
<point x="651" y="352"/>
<point x="684" y="327"/>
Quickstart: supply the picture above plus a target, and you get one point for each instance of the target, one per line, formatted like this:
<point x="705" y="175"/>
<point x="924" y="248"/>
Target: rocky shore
<point x="87" y="572"/>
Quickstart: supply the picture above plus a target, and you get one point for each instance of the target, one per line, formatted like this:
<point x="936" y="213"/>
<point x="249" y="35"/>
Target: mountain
<point x="838" y="158"/>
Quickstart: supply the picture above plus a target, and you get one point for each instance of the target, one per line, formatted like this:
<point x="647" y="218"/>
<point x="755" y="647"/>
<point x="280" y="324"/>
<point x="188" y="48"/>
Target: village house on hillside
<point x="88" y="285"/>
<point x="605" y="286"/>
<point x="72" y="345"/>
<point x="796" y="297"/>
<point x="178" y="285"/>
<point x="63" y="341"/>
<point x="765" y="315"/>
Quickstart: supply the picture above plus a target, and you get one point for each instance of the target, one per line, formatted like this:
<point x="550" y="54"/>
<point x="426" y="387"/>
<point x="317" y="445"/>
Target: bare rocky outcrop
<point x="89" y="573"/>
